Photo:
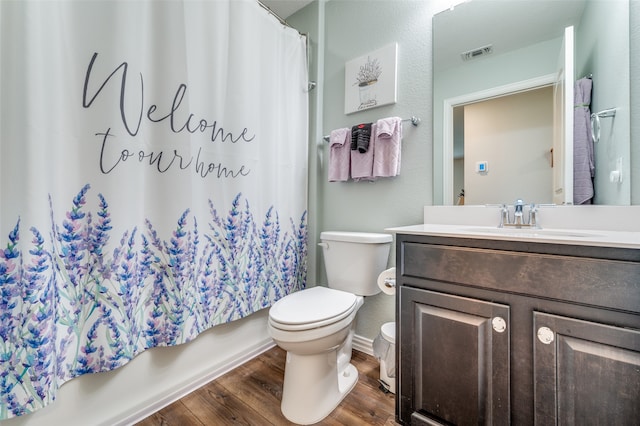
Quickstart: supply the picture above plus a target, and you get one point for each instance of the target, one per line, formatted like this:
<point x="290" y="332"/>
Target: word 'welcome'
<point x="161" y="161"/>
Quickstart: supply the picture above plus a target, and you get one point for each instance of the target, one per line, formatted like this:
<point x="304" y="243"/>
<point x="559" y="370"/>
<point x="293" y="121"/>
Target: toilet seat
<point x="312" y="308"/>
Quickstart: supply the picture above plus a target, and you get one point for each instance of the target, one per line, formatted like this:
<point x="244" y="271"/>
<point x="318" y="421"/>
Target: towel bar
<point x="595" y="119"/>
<point x="414" y="120"/>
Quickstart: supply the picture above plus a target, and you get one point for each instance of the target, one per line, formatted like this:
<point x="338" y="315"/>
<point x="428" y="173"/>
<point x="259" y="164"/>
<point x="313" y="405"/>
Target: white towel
<point x="387" y="148"/>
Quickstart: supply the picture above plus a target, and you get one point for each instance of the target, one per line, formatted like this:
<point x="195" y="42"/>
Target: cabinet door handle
<point x="499" y="324"/>
<point x="545" y="335"/>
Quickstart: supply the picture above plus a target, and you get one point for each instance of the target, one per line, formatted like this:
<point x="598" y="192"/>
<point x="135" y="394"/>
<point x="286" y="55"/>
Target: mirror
<point x="483" y="49"/>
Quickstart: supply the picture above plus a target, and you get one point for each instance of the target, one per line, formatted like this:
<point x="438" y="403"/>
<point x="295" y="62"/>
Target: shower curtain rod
<point x="312" y="84"/>
<point x="414" y="120"/>
<point x="282" y="21"/>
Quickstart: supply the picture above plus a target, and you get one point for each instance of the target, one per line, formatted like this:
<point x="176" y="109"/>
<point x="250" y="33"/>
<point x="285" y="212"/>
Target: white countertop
<point x="588" y="237"/>
<point x="603" y="226"/>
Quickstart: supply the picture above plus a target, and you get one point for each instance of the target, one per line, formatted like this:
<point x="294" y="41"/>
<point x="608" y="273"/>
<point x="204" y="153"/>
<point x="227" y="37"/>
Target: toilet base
<point x="313" y="386"/>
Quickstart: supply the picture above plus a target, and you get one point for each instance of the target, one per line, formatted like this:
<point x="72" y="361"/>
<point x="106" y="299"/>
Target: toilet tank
<point x="353" y="260"/>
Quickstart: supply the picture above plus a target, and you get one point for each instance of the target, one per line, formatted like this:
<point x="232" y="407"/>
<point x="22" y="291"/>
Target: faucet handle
<point x="504" y="215"/>
<point x="533" y="214"/>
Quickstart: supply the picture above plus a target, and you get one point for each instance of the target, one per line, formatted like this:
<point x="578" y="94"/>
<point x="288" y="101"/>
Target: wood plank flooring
<point x="250" y="395"/>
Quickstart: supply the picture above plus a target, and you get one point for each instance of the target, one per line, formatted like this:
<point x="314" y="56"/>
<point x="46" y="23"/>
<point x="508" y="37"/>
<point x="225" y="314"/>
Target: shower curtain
<point x="153" y="180"/>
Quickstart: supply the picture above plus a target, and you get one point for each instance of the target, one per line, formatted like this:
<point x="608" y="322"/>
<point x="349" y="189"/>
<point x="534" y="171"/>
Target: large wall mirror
<point x="498" y="68"/>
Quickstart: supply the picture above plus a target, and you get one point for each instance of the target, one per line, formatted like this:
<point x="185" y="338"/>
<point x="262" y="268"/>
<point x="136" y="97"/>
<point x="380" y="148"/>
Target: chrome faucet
<point x="518" y="215"/>
<point x="518" y="218"/>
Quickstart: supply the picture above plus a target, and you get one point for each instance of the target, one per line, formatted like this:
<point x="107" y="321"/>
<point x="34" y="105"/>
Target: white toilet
<point x="316" y="326"/>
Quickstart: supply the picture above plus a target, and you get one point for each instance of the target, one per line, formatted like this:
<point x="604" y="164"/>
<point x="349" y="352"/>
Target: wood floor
<point x="250" y="395"/>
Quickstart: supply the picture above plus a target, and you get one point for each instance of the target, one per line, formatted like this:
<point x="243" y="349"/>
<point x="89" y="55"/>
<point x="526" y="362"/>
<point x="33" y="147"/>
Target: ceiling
<point x="506" y="25"/>
<point x="285" y="8"/>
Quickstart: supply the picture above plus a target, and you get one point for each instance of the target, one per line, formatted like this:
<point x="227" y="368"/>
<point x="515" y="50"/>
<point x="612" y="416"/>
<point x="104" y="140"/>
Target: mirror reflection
<point x="506" y="120"/>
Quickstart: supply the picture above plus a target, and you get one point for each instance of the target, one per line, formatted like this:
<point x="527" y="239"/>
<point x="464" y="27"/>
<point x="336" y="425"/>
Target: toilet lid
<point x="312" y="305"/>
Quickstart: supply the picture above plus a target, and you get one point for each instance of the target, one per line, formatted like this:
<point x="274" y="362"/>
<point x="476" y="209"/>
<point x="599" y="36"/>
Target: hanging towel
<point x="583" y="158"/>
<point x="361" y="137"/>
<point x="362" y="162"/>
<point x="339" y="155"/>
<point x="388" y="138"/>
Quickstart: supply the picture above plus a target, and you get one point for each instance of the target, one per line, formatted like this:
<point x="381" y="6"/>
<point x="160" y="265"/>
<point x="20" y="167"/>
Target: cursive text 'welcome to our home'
<point x="162" y="161"/>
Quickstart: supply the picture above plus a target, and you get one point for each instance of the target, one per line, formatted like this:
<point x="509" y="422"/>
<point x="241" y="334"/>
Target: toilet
<point x="316" y="325"/>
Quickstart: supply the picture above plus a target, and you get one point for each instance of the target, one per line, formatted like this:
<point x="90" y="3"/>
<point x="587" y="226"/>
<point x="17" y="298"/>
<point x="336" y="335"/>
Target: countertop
<point x="589" y="237"/>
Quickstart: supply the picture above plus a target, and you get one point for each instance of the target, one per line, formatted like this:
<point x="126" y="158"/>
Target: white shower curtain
<point x="153" y="180"/>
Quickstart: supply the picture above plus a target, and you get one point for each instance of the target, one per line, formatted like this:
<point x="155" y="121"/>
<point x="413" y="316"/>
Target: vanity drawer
<point x="612" y="284"/>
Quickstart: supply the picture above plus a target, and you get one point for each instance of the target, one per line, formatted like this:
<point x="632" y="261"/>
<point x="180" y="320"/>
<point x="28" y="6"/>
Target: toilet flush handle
<point x="324" y="245"/>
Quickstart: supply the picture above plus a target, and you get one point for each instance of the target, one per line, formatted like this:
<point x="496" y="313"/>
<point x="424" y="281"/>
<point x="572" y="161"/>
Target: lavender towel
<point x="388" y="138"/>
<point x="339" y="155"/>
<point x="583" y="161"/>
<point x="362" y="162"/>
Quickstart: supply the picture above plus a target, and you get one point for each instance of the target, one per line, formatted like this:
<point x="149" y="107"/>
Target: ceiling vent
<point x="475" y="53"/>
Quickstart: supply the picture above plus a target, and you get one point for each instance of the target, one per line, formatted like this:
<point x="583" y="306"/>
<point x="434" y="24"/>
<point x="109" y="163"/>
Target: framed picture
<point x="370" y="81"/>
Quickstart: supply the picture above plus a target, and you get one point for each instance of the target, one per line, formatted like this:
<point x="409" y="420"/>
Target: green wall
<point x="351" y="29"/>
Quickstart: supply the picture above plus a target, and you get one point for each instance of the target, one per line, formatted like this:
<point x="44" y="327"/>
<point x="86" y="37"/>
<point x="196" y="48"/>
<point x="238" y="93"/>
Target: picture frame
<point x="371" y="80"/>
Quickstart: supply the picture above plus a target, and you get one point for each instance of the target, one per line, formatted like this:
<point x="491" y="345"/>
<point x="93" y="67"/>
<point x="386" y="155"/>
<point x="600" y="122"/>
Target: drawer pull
<point x="499" y="324"/>
<point x="545" y="335"/>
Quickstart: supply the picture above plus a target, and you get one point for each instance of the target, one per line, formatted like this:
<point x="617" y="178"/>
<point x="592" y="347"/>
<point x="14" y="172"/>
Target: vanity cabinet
<point x="464" y="378"/>
<point x="509" y="332"/>
<point x="596" y="369"/>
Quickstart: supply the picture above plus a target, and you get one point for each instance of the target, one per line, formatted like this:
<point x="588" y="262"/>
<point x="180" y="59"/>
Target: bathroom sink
<point x="586" y="237"/>
<point x="573" y="225"/>
<point x="530" y="232"/>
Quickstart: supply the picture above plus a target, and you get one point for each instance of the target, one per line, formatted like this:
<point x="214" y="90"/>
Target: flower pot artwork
<point x="367" y="78"/>
<point x="370" y="80"/>
<point x="367" y="94"/>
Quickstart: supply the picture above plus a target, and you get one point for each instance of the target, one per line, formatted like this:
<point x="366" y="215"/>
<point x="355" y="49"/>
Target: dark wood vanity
<point x="512" y="332"/>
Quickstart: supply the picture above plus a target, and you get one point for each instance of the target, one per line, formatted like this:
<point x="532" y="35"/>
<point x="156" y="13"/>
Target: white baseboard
<point x="174" y="395"/>
<point x="363" y="344"/>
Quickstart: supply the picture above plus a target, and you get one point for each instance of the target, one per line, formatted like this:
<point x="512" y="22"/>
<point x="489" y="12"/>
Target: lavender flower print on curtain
<point x="153" y="184"/>
<point x="149" y="290"/>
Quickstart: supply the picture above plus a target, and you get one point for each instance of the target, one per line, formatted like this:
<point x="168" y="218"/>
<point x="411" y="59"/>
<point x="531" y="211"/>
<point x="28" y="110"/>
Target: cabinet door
<point x="454" y="359"/>
<point x="586" y="373"/>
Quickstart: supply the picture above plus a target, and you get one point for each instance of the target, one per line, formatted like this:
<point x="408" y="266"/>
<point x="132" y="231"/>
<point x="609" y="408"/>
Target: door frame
<point x="469" y="98"/>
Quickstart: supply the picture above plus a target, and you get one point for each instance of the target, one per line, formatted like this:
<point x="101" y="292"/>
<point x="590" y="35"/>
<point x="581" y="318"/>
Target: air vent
<point x="475" y="53"/>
